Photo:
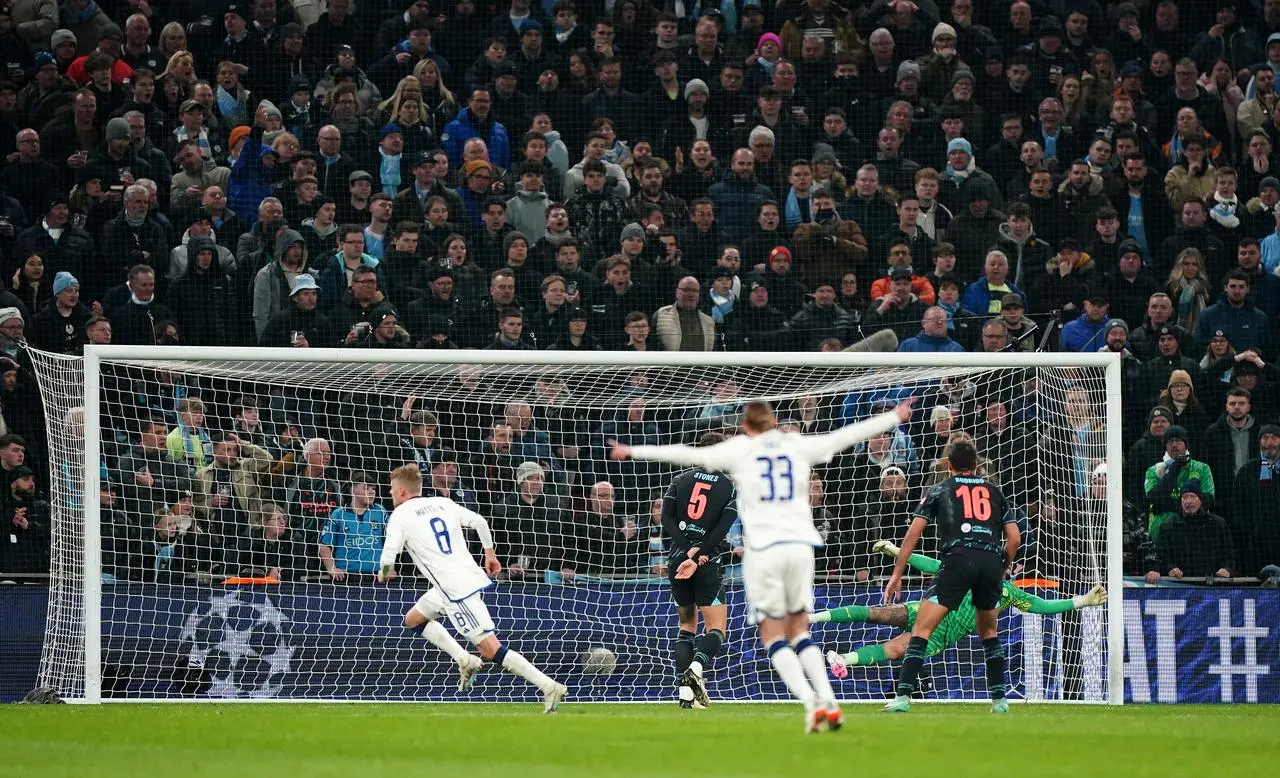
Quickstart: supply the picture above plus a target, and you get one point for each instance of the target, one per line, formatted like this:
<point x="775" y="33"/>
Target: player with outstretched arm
<point x="770" y="470"/>
<point x="697" y="512"/>
<point x="955" y="626"/>
<point x="431" y="529"/>
<point x="972" y="524"/>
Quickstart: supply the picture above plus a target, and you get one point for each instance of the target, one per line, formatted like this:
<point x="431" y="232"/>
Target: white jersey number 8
<point x="441" y="530"/>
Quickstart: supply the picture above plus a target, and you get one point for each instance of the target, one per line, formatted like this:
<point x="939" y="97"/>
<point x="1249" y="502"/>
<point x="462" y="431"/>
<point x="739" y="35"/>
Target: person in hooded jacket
<point x="201" y="227"/>
<point x="203" y="298"/>
<point x="273" y="282"/>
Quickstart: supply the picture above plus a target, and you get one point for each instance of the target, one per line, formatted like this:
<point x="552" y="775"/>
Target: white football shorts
<point x="778" y="581"/>
<point x="469" y="616"/>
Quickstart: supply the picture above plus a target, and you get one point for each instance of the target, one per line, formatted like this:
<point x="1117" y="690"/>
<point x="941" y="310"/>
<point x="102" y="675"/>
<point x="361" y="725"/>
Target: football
<point x="599" y="661"/>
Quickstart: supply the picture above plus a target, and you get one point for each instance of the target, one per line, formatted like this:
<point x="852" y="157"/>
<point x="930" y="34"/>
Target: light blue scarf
<point x="792" y="213"/>
<point x="231" y="108"/>
<point x="390" y="172"/>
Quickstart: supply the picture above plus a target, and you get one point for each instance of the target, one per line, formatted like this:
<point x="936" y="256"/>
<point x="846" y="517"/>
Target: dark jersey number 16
<point x="977" y="502"/>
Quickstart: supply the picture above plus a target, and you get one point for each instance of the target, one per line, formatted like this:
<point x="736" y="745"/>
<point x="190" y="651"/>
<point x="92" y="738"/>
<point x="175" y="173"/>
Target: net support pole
<point x="1115" y="535"/>
<point x="92" y="530"/>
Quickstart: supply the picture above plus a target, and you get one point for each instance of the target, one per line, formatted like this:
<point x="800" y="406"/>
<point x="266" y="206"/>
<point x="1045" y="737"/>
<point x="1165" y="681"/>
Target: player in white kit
<point x="770" y="470"/>
<point x="431" y="529"/>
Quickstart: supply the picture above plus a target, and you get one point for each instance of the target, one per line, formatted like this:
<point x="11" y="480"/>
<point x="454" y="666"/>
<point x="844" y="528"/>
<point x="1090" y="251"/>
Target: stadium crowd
<point x="694" y="175"/>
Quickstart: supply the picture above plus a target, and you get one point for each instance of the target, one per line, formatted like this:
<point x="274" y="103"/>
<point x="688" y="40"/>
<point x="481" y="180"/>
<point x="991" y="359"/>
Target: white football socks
<point x="514" y="663"/>
<point x="815" y="669"/>
<point x="788" y="667"/>
<point x="441" y="639"/>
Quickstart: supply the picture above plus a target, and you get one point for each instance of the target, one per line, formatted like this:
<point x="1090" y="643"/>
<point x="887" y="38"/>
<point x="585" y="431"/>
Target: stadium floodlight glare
<point x="209" y="628"/>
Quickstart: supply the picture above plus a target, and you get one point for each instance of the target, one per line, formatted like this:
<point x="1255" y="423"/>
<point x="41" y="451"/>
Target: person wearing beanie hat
<point x="10" y="314"/>
<point x="117" y="129"/>
<point x="768" y="51"/>
<point x="939" y="66"/>
<point x="237" y="134"/>
<point x="907" y="69"/>
<point x="694" y="86"/>
<point x="633" y="231"/>
<point x="60" y="328"/>
<point x="43" y="58"/>
<point x="476" y="166"/>
<point x="1163" y="482"/>
<point x="1194" y="542"/>
<point x="1179" y="396"/>
<point x="960" y="145"/>
<point x="63" y="281"/>
<point x="62" y="36"/>
<point x="823" y="152"/>
<point x="1147" y="451"/>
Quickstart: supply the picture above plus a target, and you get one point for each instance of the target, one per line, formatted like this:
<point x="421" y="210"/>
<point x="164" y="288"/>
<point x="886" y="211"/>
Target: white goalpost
<point x="215" y="512"/>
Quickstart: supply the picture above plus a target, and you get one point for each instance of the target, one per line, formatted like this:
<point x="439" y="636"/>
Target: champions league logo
<point x="241" y="645"/>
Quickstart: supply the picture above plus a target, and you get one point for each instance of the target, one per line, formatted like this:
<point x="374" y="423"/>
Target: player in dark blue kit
<point x="697" y="512"/>
<point x="973" y="529"/>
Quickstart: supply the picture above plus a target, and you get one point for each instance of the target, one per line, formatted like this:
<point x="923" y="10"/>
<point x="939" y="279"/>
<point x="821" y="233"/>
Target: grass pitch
<point x="604" y="741"/>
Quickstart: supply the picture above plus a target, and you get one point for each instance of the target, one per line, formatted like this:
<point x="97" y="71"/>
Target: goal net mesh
<point x="239" y="539"/>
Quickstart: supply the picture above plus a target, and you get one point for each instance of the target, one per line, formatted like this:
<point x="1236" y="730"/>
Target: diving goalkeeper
<point x="956" y="625"/>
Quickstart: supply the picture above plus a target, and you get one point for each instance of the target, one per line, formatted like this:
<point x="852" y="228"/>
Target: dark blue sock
<point x="911" y="664"/>
<point x="684" y="651"/>
<point x="994" y="652"/>
<point x="709" y="647"/>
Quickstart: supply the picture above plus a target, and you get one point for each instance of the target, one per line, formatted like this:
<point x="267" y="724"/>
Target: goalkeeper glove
<point x="885" y="547"/>
<point x="1096" y="596"/>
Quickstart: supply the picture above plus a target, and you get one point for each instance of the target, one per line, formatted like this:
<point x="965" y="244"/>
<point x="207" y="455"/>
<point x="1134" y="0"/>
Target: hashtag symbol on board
<point x="1250" y="633"/>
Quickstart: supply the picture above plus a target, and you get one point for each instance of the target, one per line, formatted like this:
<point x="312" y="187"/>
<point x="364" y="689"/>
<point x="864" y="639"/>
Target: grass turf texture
<point x="604" y="741"/>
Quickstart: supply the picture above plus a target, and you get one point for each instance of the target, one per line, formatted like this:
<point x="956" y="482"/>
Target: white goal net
<point x="218" y="515"/>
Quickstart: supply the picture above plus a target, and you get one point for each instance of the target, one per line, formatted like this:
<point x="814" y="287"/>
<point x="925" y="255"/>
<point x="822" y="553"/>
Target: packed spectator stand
<point x="1067" y="175"/>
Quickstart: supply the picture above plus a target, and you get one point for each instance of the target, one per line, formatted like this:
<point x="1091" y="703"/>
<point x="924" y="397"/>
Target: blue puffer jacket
<point x="1246" y="326"/>
<point x="250" y="181"/>
<point x="932" y="344"/>
<point x="736" y="202"/>
<point x="1080" y="334"/>
<point x="460" y="130"/>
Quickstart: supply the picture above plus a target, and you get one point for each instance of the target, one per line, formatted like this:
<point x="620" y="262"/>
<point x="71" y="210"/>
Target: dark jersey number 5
<point x="698" y="500"/>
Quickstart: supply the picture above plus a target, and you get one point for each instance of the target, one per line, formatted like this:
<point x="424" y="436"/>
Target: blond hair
<point x="408" y="476"/>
